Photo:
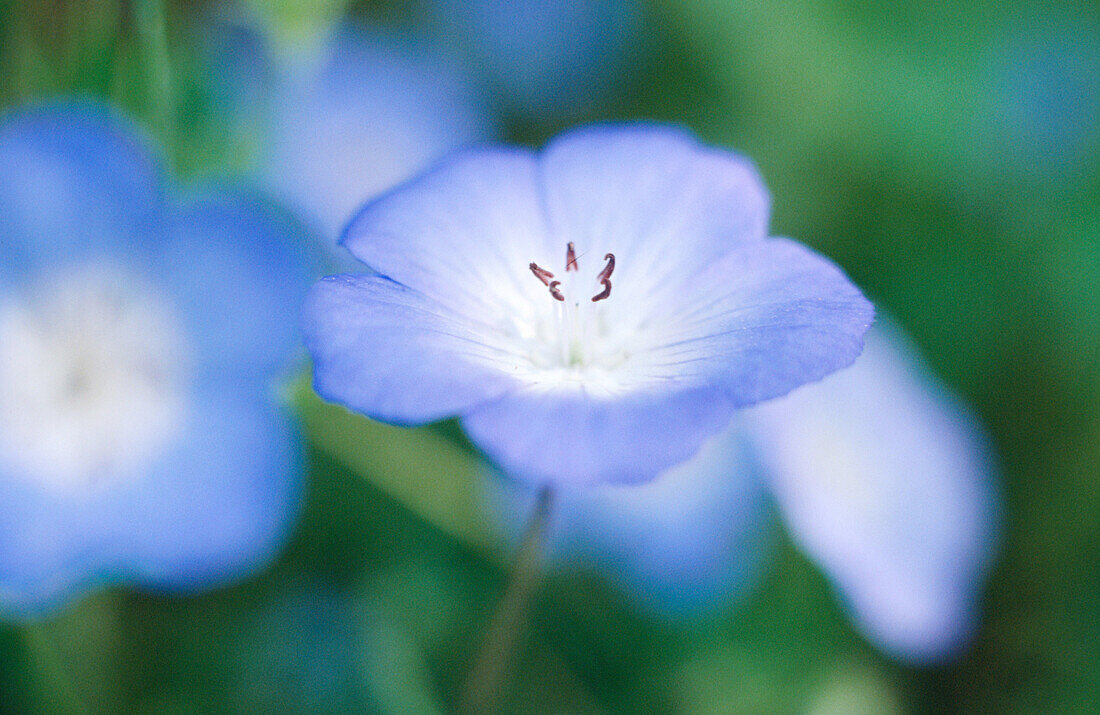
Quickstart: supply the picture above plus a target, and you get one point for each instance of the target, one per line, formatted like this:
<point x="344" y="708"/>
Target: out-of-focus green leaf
<point x="294" y="25"/>
<point x="400" y="680"/>
<point x="855" y="691"/>
<point x="896" y="93"/>
<point x="74" y="656"/>
<point x="421" y="468"/>
<point x="1074" y="274"/>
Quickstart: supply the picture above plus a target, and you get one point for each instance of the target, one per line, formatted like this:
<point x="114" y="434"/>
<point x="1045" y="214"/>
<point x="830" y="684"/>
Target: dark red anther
<point x="605" y="293"/>
<point x="571" y="258"/>
<point x="541" y="273"/>
<point x="555" y="292"/>
<point x="608" y="269"/>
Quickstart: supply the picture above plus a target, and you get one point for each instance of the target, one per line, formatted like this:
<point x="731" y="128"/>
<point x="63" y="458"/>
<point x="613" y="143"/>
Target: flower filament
<point x="577" y="329"/>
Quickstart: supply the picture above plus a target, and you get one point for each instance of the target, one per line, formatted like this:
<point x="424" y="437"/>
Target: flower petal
<point x="239" y="270"/>
<point x="770" y="316"/>
<point x="45" y="555"/>
<point x="887" y="482"/>
<point x="712" y="317"/>
<point x="74" y="183"/>
<point x="549" y="56"/>
<point x="661" y="202"/>
<point x="224" y="503"/>
<point x="370" y="115"/>
<point x="567" y="438"/>
<point x="219" y="502"/>
<point x="394" y="354"/>
<point x="688" y="541"/>
<point x="462" y="234"/>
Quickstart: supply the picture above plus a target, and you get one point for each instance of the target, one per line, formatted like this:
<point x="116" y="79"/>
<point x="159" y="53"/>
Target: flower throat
<point x="579" y="330"/>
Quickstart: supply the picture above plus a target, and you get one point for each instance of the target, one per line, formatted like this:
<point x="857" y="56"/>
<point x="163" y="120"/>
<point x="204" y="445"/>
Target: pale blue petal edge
<point x="686" y="544"/>
<point x="391" y="353"/>
<point x="77" y="181"/>
<point x="888" y="482"/>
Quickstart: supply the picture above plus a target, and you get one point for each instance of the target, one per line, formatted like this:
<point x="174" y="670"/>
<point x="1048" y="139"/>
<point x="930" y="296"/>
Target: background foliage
<point x="945" y="155"/>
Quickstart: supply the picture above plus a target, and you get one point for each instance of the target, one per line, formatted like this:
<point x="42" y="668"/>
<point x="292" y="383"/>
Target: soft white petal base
<point x="94" y="368"/>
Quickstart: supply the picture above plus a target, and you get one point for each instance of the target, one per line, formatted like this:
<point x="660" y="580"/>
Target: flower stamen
<point x="605" y="293"/>
<point x="555" y="292"/>
<point x="608" y="269"/>
<point x="604" y="277"/>
<point x="541" y="273"/>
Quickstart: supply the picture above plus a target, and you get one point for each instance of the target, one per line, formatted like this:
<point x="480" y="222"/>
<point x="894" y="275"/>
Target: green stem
<point x="485" y="683"/>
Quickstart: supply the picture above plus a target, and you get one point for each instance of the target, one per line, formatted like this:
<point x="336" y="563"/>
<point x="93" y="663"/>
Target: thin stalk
<point x="485" y="684"/>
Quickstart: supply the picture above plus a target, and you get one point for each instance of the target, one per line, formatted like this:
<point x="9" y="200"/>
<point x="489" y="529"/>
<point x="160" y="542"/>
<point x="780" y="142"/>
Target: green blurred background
<point x="948" y="156"/>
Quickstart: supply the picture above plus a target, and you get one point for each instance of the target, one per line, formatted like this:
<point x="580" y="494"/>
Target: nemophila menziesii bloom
<point x="887" y="481"/>
<point x="593" y="311"/>
<point x="882" y="477"/>
<point x="544" y="56"/>
<point x="358" y="117"/>
<point x="140" y="331"/>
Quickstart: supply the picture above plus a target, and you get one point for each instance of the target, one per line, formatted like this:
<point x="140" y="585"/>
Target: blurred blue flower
<point x="544" y="56"/>
<point x="494" y="302"/>
<point x="882" y="477"/>
<point x="139" y="335"/>
<point x="887" y="481"/>
<point x="688" y="541"/>
<point x="359" y="118"/>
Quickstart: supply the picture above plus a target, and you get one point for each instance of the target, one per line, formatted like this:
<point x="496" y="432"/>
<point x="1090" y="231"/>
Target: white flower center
<point x="568" y="338"/>
<point x="572" y="322"/>
<point x="94" y="369"/>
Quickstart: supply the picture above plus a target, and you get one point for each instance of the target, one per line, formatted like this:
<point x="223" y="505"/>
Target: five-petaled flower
<point x="139" y="335"/>
<point x="593" y="311"/>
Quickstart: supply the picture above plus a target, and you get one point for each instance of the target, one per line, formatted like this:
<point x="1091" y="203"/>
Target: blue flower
<point x="593" y="312"/>
<point x="545" y="56"/>
<point x="356" y="120"/>
<point x="140" y="331"/>
<point x="881" y="476"/>
<point x="683" y="544"/>
<point x="886" y="480"/>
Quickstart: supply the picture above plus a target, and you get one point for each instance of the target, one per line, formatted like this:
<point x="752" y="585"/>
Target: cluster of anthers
<point x="604" y="278"/>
